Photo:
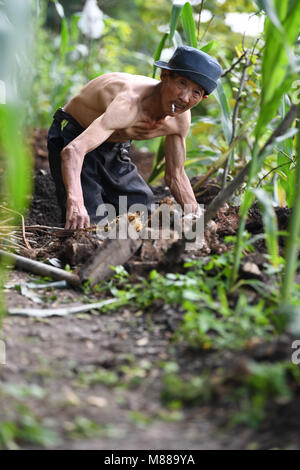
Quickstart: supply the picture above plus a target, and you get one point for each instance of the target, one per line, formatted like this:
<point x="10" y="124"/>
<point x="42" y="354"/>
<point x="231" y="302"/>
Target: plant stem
<point x="292" y="248"/>
<point x="235" y="116"/>
<point x="245" y="206"/>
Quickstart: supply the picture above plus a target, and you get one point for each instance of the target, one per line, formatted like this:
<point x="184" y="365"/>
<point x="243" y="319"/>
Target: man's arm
<point x="175" y="176"/>
<point x="119" y="115"/>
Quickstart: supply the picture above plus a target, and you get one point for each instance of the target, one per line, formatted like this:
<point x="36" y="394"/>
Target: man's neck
<point x="152" y="104"/>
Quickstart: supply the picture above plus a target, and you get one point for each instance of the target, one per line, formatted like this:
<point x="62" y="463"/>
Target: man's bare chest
<point x="145" y="129"/>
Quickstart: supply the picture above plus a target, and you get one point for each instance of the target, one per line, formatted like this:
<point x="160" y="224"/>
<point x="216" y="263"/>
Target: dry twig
<point x="23" y="225"/>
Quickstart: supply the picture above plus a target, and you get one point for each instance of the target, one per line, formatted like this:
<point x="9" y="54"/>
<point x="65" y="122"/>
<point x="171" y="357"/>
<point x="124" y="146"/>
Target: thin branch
<point x="233" y="65"/>
<point x="254" y="46"/>
<point x="271" y="171"/>
<point x="286" y="155"/>
<point x="235" y="115"/>
<point x="198" y="26"/>
<point x="44" y="227"/>
<point x="206" y="29"/>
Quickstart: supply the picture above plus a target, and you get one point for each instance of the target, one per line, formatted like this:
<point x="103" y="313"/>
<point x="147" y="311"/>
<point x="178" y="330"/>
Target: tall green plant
<point x="293" y="245"/>
<point x="281" y="30"/>
<point x="15" y="162"/>
<point x="280" y="33"/>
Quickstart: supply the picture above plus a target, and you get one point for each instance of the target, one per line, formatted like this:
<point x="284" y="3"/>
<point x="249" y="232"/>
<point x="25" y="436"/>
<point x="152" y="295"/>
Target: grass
<point x="246" y="393"/>
<point x="214" y="317"/>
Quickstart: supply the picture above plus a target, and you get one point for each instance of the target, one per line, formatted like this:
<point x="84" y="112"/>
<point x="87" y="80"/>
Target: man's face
<point x="180" y="92"/>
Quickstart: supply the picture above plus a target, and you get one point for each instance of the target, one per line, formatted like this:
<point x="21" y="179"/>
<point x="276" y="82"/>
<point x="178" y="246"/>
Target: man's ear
<point x="164" y="74"/>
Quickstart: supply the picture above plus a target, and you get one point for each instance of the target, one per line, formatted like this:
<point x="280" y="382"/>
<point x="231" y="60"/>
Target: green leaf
<point x="188" y="24"/>
<point x="175" y="13"/>
<point x="74" y="30"/>
<point x="278" y="59"/>
<point x="207" y="46"/>
<point x="289" y="186"/>
<point x="203" y="159"/>
<point x="64" y="39"/>
<point x="158" y="52"/>
<point x="293" y="318"/>
<point x="157" y="174"/>
<point x="270" y="224"/>
<point x="177" y="40"/>
<point x="225" y="114"/>
<point x="268" y="109"/>
<point x="268" y="7"/>
<point x="287" y="145"/>
<point x="17" y="157"/>
<point x="158" y="161"/>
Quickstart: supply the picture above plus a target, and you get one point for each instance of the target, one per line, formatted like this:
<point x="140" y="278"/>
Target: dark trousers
<point x="106" y="174"/>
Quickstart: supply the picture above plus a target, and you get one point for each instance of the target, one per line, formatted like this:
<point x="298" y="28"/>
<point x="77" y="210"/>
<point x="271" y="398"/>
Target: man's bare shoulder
<point x="95" y="97"/>
<point x="119" y="81"/>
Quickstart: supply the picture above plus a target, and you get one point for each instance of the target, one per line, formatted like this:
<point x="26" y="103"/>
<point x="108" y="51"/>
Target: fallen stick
<point x="59" y="312"/>
<point x="23" y="225"/>
<point x="42" y="269"/>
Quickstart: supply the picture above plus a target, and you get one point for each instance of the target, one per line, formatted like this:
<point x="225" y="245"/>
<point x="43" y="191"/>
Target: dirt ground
<point x="99" y="375"/>
<point x="71" y="360"/>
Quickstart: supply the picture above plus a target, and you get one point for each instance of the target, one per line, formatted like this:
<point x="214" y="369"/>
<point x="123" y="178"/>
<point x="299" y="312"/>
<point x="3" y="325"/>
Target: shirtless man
<point x="89" y="155"/>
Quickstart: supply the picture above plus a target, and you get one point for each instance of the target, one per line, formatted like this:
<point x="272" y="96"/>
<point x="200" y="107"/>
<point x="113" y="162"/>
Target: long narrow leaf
<point x="225" y="114"/>
<point x="64" y="39"/>
<point x="175" y="13"/>
<point x="158" y="52"/>
<point x="270" y="224"/>
<point x="277" y="65"/>
<point x="268" y="7"/>
<point x="294" y="232"/>
<point x="18" y="160"/>
<point x="188" y="24"/>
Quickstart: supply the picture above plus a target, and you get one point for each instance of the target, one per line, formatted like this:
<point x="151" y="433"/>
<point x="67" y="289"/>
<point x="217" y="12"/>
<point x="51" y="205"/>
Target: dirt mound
<point x="44" y="209"/>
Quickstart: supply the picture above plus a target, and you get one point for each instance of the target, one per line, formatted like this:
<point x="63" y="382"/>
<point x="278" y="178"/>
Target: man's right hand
<point x="76" y="215"/>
